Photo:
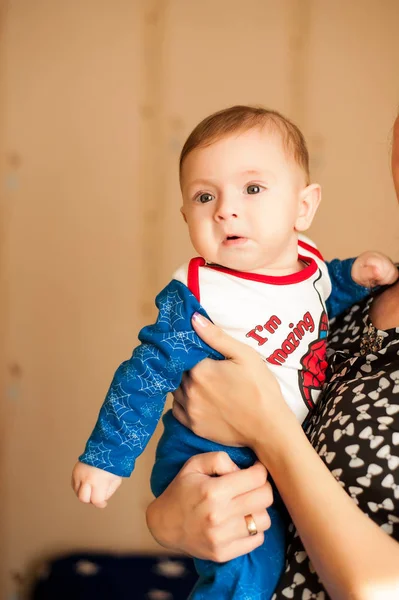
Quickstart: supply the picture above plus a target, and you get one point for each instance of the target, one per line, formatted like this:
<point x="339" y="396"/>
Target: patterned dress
<point x="355" y="430"/>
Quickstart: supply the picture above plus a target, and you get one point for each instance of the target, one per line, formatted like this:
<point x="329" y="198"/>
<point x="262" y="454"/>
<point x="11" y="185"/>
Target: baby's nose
<point x="226" y="208"/>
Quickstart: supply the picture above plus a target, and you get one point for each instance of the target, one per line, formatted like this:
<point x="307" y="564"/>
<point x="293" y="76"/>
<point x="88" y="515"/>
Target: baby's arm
<point x="373" y="268"/>
<point x="352" y="278"/>
<point x="136" y="398"/>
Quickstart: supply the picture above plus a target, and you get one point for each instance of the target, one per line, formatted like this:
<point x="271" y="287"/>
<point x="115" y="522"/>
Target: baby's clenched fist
<point x="373" y="268"/>
<point x="94" y="486"/>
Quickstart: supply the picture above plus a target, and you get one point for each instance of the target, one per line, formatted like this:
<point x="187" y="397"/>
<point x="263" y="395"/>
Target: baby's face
<point x="241" y="199"/>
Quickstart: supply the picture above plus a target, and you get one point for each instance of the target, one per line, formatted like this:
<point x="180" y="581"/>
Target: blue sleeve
<point x="345" y="292"/>
<point x="136" y="397"/>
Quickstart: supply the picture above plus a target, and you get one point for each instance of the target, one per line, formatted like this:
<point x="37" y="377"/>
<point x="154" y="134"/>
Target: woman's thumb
<point x="211" y="463"/>
<point x="216" y="338"/>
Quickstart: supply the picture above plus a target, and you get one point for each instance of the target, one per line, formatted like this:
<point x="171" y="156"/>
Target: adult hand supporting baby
<point x="256" y="415"/>
<point x="237" y="401"/>
<point x="203" y="515"/>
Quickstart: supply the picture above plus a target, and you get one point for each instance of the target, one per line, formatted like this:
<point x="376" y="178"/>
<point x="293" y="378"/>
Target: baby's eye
<point x="204" y="198"/>
<point x="254" y="189"/>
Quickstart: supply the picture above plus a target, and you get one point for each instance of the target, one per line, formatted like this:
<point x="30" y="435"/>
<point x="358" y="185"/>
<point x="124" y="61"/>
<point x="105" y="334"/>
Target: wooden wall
<point x="96" y="99"/>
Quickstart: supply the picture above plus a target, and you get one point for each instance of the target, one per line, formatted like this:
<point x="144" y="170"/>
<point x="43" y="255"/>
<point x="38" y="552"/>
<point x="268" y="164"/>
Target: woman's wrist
<point x="275" y="441"/>
<point x="267" y="414"/>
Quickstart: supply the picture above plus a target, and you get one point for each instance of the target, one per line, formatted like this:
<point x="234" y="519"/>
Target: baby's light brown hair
<point x="242" y="118"/>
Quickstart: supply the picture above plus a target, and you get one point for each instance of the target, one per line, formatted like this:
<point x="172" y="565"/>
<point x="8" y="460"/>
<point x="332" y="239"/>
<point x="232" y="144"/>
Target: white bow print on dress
<point x="389" y="482"/>
<point x="391" y="409"/>
<point x="300" y="556"/>
<point x="372" y="471"/>
<point x="355" y="460"/>
<point x="358" y="390"/>
<point x="338" y="433"/>
<point x="367" y="434"/>
<point x="388" y="527"/>
<point x="366" y="367"/>
<point x="336" y="473"/>
<point x="363" y="412"/>
<point x="288" y="592"/>
<point x="328" y="456"/>
<point x="341" y="418"/>
<point x="392" y="460"/>
<point x="386" y="504"/>
<point x="326" y="425"/>
<point x="342" y="388"/>
<point x="395" y="377"/>
<point x="384" y="423"/>
<point x="337" y="400"/>
<point x="354" y="491"/>
<point x="383" y="384"/>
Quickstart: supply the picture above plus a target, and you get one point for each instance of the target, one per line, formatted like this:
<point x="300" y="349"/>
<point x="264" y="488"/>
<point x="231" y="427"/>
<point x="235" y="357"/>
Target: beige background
<point x="96" y="99"/>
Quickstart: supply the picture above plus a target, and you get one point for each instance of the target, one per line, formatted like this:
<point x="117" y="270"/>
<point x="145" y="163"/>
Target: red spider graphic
<point x="314" y="364"/>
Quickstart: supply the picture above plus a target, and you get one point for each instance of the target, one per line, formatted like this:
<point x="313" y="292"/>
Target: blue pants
<point x="250" y="577"/>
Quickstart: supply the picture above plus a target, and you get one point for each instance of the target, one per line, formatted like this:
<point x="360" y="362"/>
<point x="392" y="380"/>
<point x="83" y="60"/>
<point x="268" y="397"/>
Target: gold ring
<point x="251" y="525"/>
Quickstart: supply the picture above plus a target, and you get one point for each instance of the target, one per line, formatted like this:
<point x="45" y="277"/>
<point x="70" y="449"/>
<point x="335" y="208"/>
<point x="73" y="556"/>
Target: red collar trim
<point x="308" y="271"/>
<point x="192" y="276"/>
<point x="311" y="249"/>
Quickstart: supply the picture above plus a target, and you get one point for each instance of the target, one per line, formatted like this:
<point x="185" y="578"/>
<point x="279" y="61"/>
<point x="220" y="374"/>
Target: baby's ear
<point x="309" y="200"/>
<point x="183" y="214"/>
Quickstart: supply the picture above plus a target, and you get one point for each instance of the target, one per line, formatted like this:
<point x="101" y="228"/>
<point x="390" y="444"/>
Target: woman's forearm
<point x="353" y="557"/>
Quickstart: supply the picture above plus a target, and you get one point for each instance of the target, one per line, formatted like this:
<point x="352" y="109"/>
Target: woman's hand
<point x="203" y="515"/>
<point x="237" y="401"/>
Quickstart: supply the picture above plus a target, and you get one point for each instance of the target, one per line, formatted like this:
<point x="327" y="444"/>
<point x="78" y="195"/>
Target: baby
<point x="247" y="197"/>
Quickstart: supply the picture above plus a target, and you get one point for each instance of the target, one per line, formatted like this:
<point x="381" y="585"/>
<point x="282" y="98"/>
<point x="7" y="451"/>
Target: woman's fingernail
<point x="200" y="319"/>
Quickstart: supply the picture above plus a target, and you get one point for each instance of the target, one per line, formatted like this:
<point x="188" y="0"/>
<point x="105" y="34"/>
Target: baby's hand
<point x="92" y="485"/>
<point x="373" y="268"/>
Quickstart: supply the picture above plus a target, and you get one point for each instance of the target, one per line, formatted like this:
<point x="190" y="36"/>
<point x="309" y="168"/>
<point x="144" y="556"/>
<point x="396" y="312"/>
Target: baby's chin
<point x="239" y="256"/>
<point x="237" y="264"/>
<point x="247" y="264"/>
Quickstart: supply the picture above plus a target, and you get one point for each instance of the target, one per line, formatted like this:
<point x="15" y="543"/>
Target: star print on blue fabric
<point x="106" y="429"/>
<point x="152" y="383"/>
<point x="171" y="308"/>
<point x="136" y="398"/>
<point x="143" y="353"/>
<point x="117" y="402"/>
<point x="173" y="366"/>
<point x="133" y="435"/>
<point x="146" y="352"/>
<point x="152" y="410"/>
<point x="128" y="370"/>
<point x="181" y="340"/>
<point x="99" y="455"/>
<point x="127" y="463"/>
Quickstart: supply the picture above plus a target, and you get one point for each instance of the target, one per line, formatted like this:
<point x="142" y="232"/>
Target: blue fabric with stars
<point x="129" y="416"/>
<point x="133" y="408"/>
<point x="136" y="398"/>
<point x="345" y="292"/>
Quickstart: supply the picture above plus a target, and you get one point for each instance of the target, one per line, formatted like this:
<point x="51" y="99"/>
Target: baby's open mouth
<point x="234" y="239"/>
